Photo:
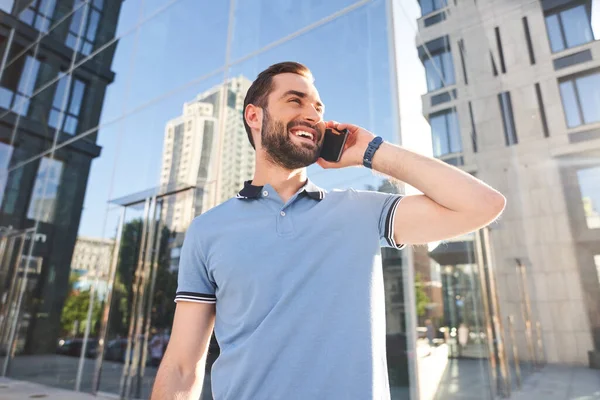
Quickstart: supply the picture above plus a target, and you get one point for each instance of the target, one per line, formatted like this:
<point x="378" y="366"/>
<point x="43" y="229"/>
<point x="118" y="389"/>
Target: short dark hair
<point x="260" y="89"/>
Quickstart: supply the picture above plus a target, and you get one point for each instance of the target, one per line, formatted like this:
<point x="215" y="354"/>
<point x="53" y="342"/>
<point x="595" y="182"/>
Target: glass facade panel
<point x="570" y="104"/>
<point x="569" y="27"/>
<point x="45" y="191"/>
<point x="445" y="133"/>
<point x="258" y="23"/>
<point x="588" y="88"/>
<point x="121" y="122"/>
<point x="429" y="6"/>
<point x="581" y="99"/>
<point x="576" y="24"/>
<point x="440" y="71"/>
<point x="589" y="184"/>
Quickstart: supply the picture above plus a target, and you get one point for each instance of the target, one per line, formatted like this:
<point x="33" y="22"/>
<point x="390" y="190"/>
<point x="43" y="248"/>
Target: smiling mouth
<point x="306" y="135"/>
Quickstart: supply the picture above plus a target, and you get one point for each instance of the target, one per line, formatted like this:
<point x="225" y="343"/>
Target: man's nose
<point x="312" y="115"/>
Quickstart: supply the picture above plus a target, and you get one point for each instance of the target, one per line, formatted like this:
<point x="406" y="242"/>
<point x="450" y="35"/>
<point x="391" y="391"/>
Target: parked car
<point x="72" y="347"/>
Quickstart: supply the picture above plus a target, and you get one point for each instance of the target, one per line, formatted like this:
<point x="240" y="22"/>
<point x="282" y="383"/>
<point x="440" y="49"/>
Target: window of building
<point x="528" y="40"/>
<point x="39" y="14"/>
<point x="508" y="119"/>
<point x="581" y="99"/>
<point x="569" y="27"/>
<point x="540" y="100"/>
<point x="429" y="6"/>
<point x="6" y="151"/>
<point x="18" y="85"/>
<point x="445" y="133"/>
<point x="589" y="185"/>
<point x="84" y="26"/>
<point x="473" y="129"/>
<point x="461" y="49"/>
<point x="439" y="70"/>
<point x="231" y="99"/>
<point x="67" y="118"/>
<point x="500" y="49"/>
<point x="42" y="204"/>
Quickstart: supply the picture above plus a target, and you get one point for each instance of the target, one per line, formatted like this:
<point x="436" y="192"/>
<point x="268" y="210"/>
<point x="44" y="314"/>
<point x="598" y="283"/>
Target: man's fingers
<point x="322" y="163"/>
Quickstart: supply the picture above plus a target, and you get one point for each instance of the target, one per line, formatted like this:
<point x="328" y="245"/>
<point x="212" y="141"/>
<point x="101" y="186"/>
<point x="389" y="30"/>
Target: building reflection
<point x="42" y="104"/>
<point x="87" y="304"/>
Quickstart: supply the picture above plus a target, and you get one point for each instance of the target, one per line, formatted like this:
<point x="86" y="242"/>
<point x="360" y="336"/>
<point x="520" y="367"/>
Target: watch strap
<point x="371" y="149"/>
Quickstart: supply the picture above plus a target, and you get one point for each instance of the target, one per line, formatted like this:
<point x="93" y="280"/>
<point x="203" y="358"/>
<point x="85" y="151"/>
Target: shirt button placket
<point x="284" y="223"/>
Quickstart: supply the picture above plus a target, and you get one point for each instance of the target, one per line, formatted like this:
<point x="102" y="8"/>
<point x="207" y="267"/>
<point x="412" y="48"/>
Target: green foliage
<point x="76" y="309"/>
<point x="163" y="306"/>
<point x="421" y="296"/>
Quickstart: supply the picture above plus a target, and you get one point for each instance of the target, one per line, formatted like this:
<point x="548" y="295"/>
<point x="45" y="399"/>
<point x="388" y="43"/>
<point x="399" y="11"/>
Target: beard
<point x="282" y="150"/>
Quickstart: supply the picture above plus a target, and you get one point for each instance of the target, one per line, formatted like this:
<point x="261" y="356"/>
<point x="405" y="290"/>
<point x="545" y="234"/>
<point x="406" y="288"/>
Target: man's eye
<point x="295" y="100"/>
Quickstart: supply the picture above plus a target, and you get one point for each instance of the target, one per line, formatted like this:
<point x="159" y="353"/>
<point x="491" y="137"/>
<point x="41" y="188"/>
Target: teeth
<point x="304" y="134"/>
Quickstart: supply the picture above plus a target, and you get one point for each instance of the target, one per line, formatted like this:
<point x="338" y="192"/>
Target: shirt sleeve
<point x="193" y="281"/>
<point x="384" y="206"/>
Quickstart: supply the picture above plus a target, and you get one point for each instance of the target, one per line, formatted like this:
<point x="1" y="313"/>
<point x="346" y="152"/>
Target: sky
<point x="175" y="53"/>
<point x="171" y="50"/>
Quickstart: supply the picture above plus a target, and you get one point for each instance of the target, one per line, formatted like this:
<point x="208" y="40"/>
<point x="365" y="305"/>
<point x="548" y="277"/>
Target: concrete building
<point x="92" y="255"/>
<point x="91" y="262"/>
<point x="523" y="113"/>
<point x="192" y="156"/>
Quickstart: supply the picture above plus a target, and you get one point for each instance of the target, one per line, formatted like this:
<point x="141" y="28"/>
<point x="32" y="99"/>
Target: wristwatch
<point x="371" y="149"/>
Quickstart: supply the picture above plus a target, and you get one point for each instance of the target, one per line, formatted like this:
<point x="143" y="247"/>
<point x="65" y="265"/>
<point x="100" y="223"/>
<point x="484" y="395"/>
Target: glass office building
<point x="120" y="121"/>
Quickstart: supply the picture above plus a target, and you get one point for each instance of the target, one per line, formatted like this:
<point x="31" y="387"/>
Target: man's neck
<point x="285" y="182"/>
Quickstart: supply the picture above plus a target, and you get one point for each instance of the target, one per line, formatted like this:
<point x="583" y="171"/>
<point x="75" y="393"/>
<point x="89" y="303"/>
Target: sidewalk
<point x="556" y="382"/>
<point x="552" y="383"/>
<point x="19" y="390"/>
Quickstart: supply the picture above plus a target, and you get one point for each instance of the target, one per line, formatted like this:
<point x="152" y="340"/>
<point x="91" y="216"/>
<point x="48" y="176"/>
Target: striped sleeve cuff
<point x="389" y="225"/>
<point x="195" y="297"/>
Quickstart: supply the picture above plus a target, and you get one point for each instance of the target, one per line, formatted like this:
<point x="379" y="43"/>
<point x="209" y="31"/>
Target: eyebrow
<point x="302" y="95"/>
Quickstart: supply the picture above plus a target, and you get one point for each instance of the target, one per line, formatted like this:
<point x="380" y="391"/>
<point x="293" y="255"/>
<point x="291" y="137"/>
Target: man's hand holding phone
<point x="354" y="146"/>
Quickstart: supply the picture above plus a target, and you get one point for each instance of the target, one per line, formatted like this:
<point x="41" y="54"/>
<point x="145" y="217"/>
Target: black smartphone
<point x="333" y="144"/>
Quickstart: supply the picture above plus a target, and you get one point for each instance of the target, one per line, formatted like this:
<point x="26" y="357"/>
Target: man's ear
<point x="254" y="117"/>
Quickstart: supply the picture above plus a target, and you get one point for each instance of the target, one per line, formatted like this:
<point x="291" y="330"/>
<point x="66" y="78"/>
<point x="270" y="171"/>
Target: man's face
<point x="292" y="126"/>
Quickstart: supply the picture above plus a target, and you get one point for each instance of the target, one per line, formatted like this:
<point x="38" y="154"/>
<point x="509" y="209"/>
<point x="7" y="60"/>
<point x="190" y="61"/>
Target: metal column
<point x="107" y="306"/>
<point x="496" y="316"/>
<point x="145" y="297"/>
<point x="493" y="362"/>
<point x="156" y="255"/>
<point x="410" y="304"/>
<point x="526" y="309"/>
<point x="19" y="300"/>
<point x="132" y="317"/>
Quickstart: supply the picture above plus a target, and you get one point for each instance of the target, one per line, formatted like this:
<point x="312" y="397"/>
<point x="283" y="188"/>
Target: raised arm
<point x="181" y="372"/>
<point x="453" y="202"/>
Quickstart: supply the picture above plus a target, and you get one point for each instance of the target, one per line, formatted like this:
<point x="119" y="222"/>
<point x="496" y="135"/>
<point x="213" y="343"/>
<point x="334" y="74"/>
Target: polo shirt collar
<point x="251" y="191"/>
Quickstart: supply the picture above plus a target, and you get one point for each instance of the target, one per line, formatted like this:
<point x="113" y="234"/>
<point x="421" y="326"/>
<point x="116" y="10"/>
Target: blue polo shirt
<point x="298" y="287"/>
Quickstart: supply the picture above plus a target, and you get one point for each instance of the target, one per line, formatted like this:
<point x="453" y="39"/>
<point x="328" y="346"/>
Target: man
<point x="288" y="274"/>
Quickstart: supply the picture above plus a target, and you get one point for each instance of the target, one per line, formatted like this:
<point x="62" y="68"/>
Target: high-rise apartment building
<point x="192" y="156"/>
<point x="514" y="99"/>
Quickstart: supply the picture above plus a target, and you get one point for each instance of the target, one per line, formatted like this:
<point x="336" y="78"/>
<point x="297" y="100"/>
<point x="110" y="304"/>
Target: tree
<point x="76" y="309"/>
<point x="163" y="306"/>
<point x="421" y="296"/>
<point x="122" y="299"/>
